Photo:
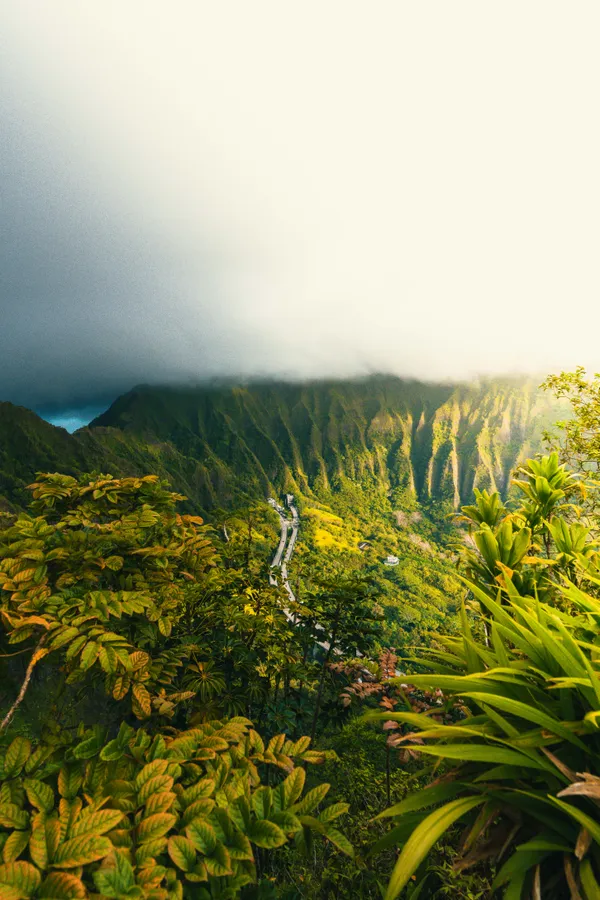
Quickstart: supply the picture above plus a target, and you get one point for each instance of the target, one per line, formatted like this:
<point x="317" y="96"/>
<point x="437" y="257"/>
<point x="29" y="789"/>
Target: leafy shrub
<point x="524" y="761"/>
<point x="97" y="579"/>
<point x="105" y="583"/>
<point x="165" y="817"/>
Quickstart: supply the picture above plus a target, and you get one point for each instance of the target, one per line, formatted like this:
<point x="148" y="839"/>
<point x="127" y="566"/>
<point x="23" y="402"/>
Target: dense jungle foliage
<point x="166" y="732"/>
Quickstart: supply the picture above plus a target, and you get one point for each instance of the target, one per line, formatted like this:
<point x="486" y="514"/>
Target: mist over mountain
<point x="184" y="200"/>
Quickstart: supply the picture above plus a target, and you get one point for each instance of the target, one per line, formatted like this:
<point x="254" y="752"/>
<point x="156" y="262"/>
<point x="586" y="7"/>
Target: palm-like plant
<point x="522" y="767"/>
<point x="524" y="762"/>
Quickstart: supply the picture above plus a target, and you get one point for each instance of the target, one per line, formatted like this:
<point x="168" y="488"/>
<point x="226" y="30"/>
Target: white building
<point x="391" y="561"/>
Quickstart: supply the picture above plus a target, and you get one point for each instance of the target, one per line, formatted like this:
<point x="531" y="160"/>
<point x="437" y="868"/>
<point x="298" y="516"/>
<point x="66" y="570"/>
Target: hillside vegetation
<point x="406" y="440"/>
<point x="409" y="439"/>
<point x="157" y="698"/>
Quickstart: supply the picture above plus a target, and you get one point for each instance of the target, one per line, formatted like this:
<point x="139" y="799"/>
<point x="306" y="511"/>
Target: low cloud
<point x="243" y="190"/>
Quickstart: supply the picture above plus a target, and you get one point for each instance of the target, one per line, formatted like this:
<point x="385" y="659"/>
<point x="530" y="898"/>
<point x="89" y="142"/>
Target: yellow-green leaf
<point x="156" y="767"/>
<point x="157" y="803"/>
<point x="141" y="703"/>
<point x="155" y="785"/>
<point x="423" y="838"/>
<point x="266" y="834"/>
<point x="14" y="845"/>
<point x="89" y="654"/>
<point x="12" y="816"/>
<point x="96" y="823"/>
<point x="39" y="794"/>
<point x="202" y="835"/>
<point x="182" y="852"/>
<point x="293" y="786"/>
<point x="312" y="799"/>
<point x="69" y="782"/>
<point x="19" y="880"/>
<point x="155" y="826"/>
<point x="16" y="756"/>
<point x="38" y="846"/>
<point x="62" y="886"/>
<point x="115" y="877"/>
<point x="81" y="850"/>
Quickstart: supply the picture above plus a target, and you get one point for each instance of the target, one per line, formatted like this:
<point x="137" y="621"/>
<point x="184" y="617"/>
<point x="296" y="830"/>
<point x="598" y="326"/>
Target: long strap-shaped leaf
<point x="423" y="838"/>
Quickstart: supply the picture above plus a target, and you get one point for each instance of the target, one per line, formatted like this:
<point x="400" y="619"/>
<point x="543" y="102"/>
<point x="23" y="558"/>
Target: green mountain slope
<point x="406" y="438"/>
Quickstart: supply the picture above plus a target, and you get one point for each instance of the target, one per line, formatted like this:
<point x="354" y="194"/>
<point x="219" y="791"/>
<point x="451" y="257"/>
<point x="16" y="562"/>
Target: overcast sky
<point x="328" y="187"/>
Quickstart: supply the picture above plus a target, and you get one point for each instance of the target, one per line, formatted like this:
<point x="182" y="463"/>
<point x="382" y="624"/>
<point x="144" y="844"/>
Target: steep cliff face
<point x="217" y="445"/>
<point x="428" y="441"/>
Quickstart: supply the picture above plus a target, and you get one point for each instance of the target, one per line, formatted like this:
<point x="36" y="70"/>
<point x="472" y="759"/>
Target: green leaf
<point x="182" y="852"/>
<point x="588" y="880"/>
<point x="90" y="747"/>
<point x="484" y="753"/>
<point x="156" y="767"/>
<point x="219" y="862"/>
<point x="115" y="877"/>
<point x="155" y="826"/>
<point x="517" y="866"/>
<point x="156" y="785"/>
<point x="81" y="850"/>
<point x="332" y="812"/>
<point x="62" y="886"/>
<point x="591" y="824"/>
<point x="39" y="794"/>
<point x="16" y="756"/>
<point x="164" y="626"/>
<point x="339" y="840"/>
<point x="262" y="801"/>
<point x="293" y="786"/>
<point x="239" y="847"/>
<point x="62" y="637"/>
<point x="430" y="796"/>
<point x="202" y="835"/>
<point x="149" y="850"/>
<point x="422" y="840"/>
<point x="14" y="845"/>
<point x="311" y="799"/>
<point x="38" y="843"/>
<point x="70" y="779"/>
<point x="205" y="787"/>
<point x="99" y="822"/>
<point x="12" y="816"/>
<point x="528" y="712"/>
<point x="112" y="751"/>
<point x="266" y="834"/>
<point x="287" y="821"/>
<point x="89" y="655"/>
<point x="18" y="880"/>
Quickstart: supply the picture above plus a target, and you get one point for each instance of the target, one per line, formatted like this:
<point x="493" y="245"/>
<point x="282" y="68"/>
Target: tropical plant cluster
<point x="167" y="731"/>
<point x="117" y="776"/>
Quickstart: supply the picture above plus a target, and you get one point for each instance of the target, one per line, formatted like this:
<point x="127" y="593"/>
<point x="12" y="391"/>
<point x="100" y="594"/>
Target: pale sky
<point x="298" y="189"/>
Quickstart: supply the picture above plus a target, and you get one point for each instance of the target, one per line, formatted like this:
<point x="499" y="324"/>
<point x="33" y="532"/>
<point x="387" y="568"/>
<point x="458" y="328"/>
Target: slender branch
<point x="32" y="662"/>
<point x="16" y="653"/>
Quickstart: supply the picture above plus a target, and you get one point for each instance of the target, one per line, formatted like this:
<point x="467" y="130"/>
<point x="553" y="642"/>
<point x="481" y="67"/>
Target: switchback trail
<point x="282" y="564"/>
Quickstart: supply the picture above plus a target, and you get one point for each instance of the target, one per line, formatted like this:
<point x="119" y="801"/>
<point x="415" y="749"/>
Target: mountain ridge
<point x="413" y="441"/>
<point x="435" y="441"/>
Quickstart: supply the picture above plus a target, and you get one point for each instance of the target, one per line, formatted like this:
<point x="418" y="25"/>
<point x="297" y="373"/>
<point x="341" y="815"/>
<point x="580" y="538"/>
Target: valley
<point x="380" y="463"/>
